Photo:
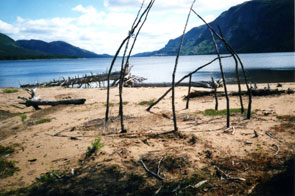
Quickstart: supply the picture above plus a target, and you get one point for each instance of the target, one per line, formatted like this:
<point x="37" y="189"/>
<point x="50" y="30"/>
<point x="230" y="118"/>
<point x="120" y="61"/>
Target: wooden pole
<point x="223" y="79"/>
<point x="113" y="61"/>
<point x="189" y="92"/>
<point x="215" y="94"/>
<point x="240" y="61"/>
<point x="179" y="81"/>
<point x="125" y="65"/>
<point x="175" y="68"/>
<point x="237" y="71"/>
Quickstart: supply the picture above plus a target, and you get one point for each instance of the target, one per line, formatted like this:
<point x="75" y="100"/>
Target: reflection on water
<point x="262" y="67"/>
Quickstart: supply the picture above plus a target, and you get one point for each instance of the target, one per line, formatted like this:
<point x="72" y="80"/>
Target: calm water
<point x="262" y="67"/>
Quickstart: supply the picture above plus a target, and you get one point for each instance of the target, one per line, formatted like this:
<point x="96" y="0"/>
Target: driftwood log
<point x="201" y="84"/>
<point x="35" y="102"/>
<point x="257" y="92"/>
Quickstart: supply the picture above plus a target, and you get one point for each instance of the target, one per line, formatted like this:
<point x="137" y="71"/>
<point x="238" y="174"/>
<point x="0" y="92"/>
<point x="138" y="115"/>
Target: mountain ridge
<point x="251" y="27"/>
<point x="38" y="49"/>
<point x="58" y="48"/>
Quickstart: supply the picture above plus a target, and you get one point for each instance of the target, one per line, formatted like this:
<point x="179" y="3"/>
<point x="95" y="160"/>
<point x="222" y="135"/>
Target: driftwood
<point x="87" y="79"/>
<point x="151" y="172"/>
<point x="278" y="149"/>
<point x="129" y="80"/>
<point x="274" y="137"/>
<point x="35" y="102"/>
<point x="258" y="92"/>
<point x="221" y="174"/>
<point x="198" y="185"/>
<point x="201" y="84"/>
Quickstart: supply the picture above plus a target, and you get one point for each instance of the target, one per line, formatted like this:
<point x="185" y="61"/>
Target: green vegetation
<point x="113" y="104"/>
<point x="96" y="145"/>
<point x="50" y="177"/>
<point x="259" y="148"/>
<point x="110" y="104"/>
<point x="23" y="117"/>
<point x="287" y="118"/>
<point x="7" y="168"/>
<point x="5" y="150"/>
<point x="212" y="112"/>
<point x="41" y="121"/>
<point x="146" y="102"/>
<point x="10" y="90"/>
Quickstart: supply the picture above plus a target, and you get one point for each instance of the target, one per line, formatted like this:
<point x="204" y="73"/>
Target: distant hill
<point x="10" y="50"/>
<point x="58" y="48"/>
<point x="37" y="49"/>
<point x="251" y="27"/>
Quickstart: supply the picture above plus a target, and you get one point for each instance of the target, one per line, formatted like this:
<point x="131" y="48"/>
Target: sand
<point x="60" y="143"/>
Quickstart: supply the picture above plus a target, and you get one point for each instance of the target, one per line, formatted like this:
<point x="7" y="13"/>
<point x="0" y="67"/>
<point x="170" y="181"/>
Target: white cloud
<point x="119" y="19"/>
<point x="89" y="15"/>
<point x="85" y="10"/>
<point x="114" y="4"/>
<point x="7" y="28"/>
<point x="175" y="5"/>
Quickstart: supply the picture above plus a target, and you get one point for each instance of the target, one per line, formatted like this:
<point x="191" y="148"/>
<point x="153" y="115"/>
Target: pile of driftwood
<point x="87" y="80"/>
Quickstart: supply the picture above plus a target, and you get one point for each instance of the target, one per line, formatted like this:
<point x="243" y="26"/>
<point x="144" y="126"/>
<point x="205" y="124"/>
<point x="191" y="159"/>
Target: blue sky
<point x="100" y="25"/>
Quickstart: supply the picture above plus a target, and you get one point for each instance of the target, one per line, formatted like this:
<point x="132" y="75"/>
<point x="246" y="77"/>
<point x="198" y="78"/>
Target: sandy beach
<point x="201" y="144"/>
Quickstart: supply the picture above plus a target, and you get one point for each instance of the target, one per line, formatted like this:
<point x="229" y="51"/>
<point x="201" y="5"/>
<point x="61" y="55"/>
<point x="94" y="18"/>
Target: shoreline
<point x="168" y="84"/>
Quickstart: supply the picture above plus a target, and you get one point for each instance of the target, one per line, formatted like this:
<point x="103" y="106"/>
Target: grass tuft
<point x="23" y="117"/>
<point x="10" y="90"/>
<point x="7" y="168"/>
<point x="113" y="104"/>
<point x="50" y="177"/>
<point x="212" y="112"/>
<point x="149" y="102"/>
<point x="96" y="145"/>
<point x="287" y="118"/>
<point x="5" y="150"/>
<point x="41" y="121"/>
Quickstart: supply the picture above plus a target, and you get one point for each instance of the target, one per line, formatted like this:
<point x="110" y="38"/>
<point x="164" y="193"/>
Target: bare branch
<point x="241" y="63"/>
<point x="175" y="68"/>
<point x="150" y="172"/>
<point x="223" y="79"/>
<point x="184" y="77"/>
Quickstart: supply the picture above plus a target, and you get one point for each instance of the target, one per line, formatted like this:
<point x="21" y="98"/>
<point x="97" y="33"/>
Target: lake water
<point x="261" y="67"/>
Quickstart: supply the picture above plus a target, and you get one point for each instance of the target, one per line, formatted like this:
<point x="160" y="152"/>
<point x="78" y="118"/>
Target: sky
<point x="101" y="25"/>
